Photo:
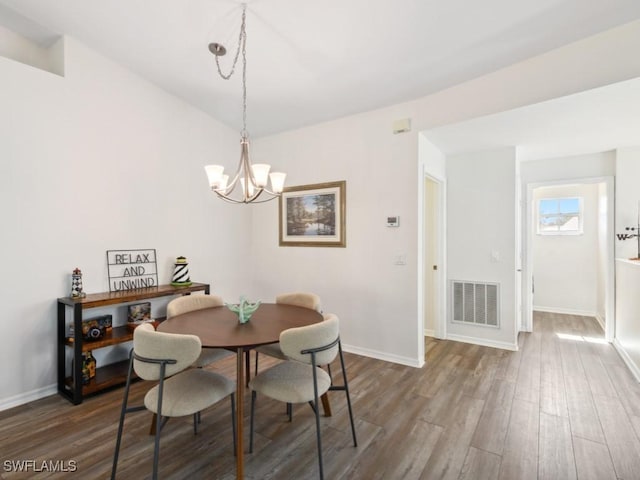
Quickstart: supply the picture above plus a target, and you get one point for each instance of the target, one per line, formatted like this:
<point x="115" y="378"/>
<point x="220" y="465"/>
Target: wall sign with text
<point x="131" y="269"/>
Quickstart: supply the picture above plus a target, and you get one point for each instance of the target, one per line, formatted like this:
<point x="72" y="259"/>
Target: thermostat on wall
<point x="393" y="221"/>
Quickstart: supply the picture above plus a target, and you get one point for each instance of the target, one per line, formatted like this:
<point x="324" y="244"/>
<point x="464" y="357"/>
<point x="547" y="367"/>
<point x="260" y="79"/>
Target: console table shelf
<point x="107" y="376"/>
<point x="113" y="337"/>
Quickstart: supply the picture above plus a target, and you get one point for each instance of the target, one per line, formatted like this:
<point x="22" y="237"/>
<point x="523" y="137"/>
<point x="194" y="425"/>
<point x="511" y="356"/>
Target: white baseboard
<point x="483" y="342"/>
<point x="17" y="400"/>
<point x="366" y="352"/>
<point x="429" y="332"/>
<point x="566" y="311"/>
<point x="600" y="320"/>
<point x="635" y="370"/>
<point x="22" y="398"/>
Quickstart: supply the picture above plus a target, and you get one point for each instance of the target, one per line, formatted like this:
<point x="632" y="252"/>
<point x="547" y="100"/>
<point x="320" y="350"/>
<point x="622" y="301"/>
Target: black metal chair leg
<point x="319" y="440"/>
<point x="317" y="412"/>
<point x="156" y="449"/>
<point x="123" y="411"/>
<point x="159" y="425"/>
<point x="346" y="391"/>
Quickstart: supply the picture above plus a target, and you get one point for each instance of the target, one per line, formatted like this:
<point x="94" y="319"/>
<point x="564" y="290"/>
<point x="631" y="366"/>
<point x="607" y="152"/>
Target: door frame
<point x="609" y="274"/>
<point x="440" y="237"/>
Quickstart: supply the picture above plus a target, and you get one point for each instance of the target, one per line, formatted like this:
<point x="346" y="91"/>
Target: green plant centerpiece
<point x="244" y="309"/>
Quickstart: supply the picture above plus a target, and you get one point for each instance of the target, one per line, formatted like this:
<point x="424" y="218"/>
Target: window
<point x="560" y="216"/>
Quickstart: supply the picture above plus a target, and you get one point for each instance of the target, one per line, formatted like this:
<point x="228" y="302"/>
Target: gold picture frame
<point x="313" y="215"/>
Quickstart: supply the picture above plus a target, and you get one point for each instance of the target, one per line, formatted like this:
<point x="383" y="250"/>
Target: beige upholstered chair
<point x="181" y="391"/>
<point x="299" y="299"/>
<point x="299" y="379"/>
<point x="189" y="303"/>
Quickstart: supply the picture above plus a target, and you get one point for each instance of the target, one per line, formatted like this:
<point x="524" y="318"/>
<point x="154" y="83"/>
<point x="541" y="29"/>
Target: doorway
<point x="430" y="257"/>
<point x="432" y="291"/>
<point x="570" y="259"/>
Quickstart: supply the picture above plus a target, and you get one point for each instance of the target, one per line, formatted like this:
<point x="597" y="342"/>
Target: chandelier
<point x="251" y="179"/>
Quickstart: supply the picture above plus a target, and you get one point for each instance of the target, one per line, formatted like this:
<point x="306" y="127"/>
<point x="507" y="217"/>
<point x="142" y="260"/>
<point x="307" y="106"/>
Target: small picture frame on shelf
<point x="94" y="328"/>
<point x="138" y="314"/>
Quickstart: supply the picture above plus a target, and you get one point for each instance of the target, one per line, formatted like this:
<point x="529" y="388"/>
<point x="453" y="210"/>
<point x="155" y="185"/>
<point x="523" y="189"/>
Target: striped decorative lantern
<point x="181" y="273"/>
<point x="76" y="284"/>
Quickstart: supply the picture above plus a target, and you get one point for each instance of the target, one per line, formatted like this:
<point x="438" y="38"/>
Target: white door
<point x="431" y="236"/>
<point x="518" y="272"/>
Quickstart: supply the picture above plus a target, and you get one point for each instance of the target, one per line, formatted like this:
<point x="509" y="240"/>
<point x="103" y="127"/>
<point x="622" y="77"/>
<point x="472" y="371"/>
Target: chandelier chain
<point x="242" y="46"/>
<point x="244" y="73"/>
<point x="242" y="36"/>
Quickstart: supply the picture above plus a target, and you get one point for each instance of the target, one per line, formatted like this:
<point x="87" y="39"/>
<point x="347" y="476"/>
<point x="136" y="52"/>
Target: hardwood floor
<point x="563" y="407"/>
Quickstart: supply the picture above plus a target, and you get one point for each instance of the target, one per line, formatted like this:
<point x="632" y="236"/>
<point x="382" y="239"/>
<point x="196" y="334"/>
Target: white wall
<point x="565" y="267"/>
<point x="433" y="160"/>
<point x="627" y="339"/>
<point x="481" y="235"/>
<point x="93" y="161"/>
<point x="374" y="298"/>
<point x="561" y="169"/>
<point x="603" y="258"/>
<point x="627" y="198"/>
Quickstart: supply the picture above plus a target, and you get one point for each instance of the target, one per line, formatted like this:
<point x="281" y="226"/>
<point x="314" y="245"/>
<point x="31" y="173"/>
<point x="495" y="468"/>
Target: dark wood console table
<point x="70" y="386"/>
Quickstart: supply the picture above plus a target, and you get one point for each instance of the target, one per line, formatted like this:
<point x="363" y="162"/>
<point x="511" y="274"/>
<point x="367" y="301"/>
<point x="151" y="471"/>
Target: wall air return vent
<point x="475" y="303"/>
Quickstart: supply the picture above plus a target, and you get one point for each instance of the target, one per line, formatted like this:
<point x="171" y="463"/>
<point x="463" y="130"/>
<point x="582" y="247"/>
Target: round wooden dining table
<point x="219" y="327"/>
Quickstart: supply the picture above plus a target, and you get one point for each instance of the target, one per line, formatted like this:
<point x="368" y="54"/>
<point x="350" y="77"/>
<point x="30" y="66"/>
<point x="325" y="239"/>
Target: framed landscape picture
<point x="313" y="215"/>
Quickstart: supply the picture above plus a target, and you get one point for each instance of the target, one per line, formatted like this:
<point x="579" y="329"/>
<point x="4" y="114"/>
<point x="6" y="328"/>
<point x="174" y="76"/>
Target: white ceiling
<point x="311" y="61"/>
